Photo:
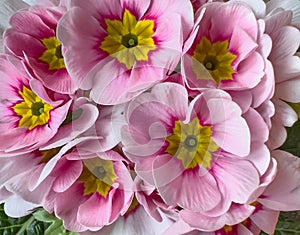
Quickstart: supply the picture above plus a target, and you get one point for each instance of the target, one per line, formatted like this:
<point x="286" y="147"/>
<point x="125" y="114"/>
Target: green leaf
<point x="289" y="223"/>
<point x="26" y="225"/>
<point x="38" y="223"/>
<point x="292" y="143"/>
<point x="56" y="225"/>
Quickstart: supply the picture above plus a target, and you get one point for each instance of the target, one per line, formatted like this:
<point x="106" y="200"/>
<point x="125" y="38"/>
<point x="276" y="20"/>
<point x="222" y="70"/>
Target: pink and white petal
<point x="66" y="210"/>
<point x="17" y="43"/>
<point x="68" y="132"/>
<point x="137" y="222"/>
<point x="265" y="89"/>
<point x="125" y="189"/>
<point x="100" y="10"/>
<point x="236" y="214"/>
<point x="258" y="128"/>
<point x="266" y="219"/>
<point x="285" y="187"/>
<point x="167" y="9"/>
<point x="96" y="211"/>
<point x="242" y="45"/>
<point x="112" y="83"/>
<point x="160" y="96"/>
<point x="174" y="185"/>
<point x="258" y="6"/>
<point x="180" y="227"/>
<point x="67" y="172"/>
<point x="88" y="33"/>
<point x="292" y="5"/>
<point x="265" y="180"/>
<point x="284" y="113"/>
<point x="51" y="164"/>
<point x="58" y="81"/>
<point x="215" y="108"/>
<point x="260" y="157"/>
<point x="276" y="19"/>
<point x="136" y="7"/>
<point x="266" y="110"/>
<point x="245" y="71"/>
<point x="4" y="194"/>
<point x="203" y="105"/>
<point x="17" y="207"/>
<point x="241" y="174"/>
<point x="38" y="88"/>
<point x="141" y="146"/>
<point x="242" y="98"/>
<point x="233" y="135"/>
<point x="282" y="48"/>
<point x="143" y="168"/>
<point x="277" y="135"/>
<point x="31" y="24"/>
<point x="7" y="9"/>
<point x="236" y="14"/>
<point x="12" y="166"/>
<point x="289" y="90"/>
<point x="21" y="185"/>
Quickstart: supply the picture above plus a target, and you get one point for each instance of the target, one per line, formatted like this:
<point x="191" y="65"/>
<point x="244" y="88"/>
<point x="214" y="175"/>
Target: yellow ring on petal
<point x="33" y="110"/>
<point x="192" y="144"/>
<point x="129" y="40"/>
<point x="53" y="55"/>
<point x="216" y="58"/>
<point x="98" y="176"/>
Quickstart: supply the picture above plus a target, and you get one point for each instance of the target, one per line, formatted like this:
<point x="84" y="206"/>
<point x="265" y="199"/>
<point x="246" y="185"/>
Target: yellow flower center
<point x="134" y="204"/>
<point x="33" y="110"/>
<point x="98" y="176"/>
<point x="129" y="40"/>
<point x="228" y="229"/>
<point x="192" y="144"/>
<point x="216" y="59"/>
<point x="49" y="154"/>
<point x="53" y="55"/>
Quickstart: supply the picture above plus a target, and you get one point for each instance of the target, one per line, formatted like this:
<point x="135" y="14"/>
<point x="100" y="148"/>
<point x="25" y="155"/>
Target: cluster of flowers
<point x="152" y="116"/>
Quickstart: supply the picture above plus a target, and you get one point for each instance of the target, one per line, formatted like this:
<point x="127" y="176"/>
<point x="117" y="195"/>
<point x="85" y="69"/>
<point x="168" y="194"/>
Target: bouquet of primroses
<point x="150" y="116"/>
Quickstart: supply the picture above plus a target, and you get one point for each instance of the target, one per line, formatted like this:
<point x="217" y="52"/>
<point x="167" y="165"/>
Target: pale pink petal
<point x="67" y="173"/>
<point x="7" y="9"/>
<point x="16" y="207"/>
<point x="87" y="30"/>
<point x="266" y="220"/>
<point x="66" y="210"/>
<point x="278" y="135"/>
<point x="285" y="187"/>
<point x="137" y="7"/>
<point x="77" y="126"/>
<point x="258" y="6"/>
<point x="230" y="130"/>
<point x="292" y="5"/>
<point x="236" y="214"/>
<point x="241" y="174"/>
<point x="100" y="209"/>
<point x="284" y="113"/>
<point x="289" y="90"/>
<point x="176" y="185"/>
<point x="265" y="180"/>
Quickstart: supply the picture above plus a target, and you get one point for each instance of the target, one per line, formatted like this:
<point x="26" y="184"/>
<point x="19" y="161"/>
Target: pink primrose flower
<point x="280" y="25"/>
<point x="205" y="144"/>
<point x="32" y="37"/>
<point x="30" y="114"/>
<point x="232" y="58"/>
<point x="119" y="49"/>
<point x="101" y="190"/>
